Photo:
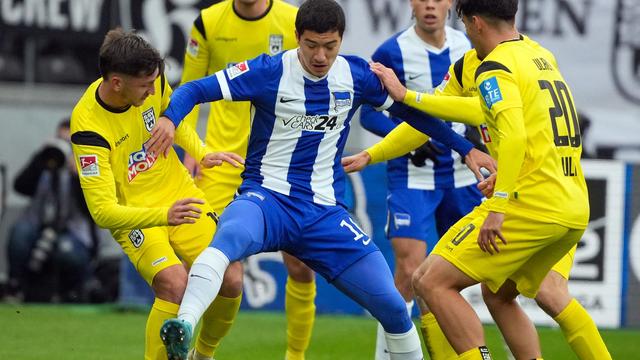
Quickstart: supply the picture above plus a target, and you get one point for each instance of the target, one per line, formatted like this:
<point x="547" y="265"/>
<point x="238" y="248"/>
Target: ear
<point x="297" y="37"/>
<point x="116" y="82"/>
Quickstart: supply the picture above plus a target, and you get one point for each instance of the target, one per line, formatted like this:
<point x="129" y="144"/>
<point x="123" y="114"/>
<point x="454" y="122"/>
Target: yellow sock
<point x="216" y="322"/>
<point x="437" y="344"/>
<point x="301" y="313"/>
<point x="581" y="332"/>
<point x="160" y="311"/>
<point x="479" y="353"/>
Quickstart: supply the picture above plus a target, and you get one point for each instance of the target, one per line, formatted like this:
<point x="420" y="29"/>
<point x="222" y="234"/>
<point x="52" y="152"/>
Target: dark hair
<point x="498" y="9"/>
<point x="129" y="54"/>
<point x="320" y="16"/>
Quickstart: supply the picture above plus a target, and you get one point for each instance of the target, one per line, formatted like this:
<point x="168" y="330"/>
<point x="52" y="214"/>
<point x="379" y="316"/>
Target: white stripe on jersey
<point x="224" y="87"/>
<point x="282" y="143"/>
<point x="339" y="79"/>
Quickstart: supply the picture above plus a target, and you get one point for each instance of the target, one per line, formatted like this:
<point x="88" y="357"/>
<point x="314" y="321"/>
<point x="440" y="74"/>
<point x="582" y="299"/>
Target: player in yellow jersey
<point x="225" y="34"/>
<point x="553" y="297"/>
<point x="148" y="201"/>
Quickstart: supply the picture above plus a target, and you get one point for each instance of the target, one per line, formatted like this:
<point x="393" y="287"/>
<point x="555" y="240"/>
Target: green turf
<point x="103" y="332"/>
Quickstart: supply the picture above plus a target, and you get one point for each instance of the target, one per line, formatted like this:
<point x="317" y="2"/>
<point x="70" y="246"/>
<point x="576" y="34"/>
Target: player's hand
<point x="476" y="159"/>
<point x="491" y="228"/>
<point x="184" y="212"/>
<point x="356" y="162"/>
<point x="390" y="81"/>
<point x="487" y="185"/>
<point x="193" y="166"/>
<point x="161" y="136"/>
<point x="217" y="158"/>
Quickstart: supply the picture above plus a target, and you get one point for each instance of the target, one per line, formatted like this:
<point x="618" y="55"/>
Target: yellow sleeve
<point x="196" y="65"/>
<point x="460" y="109"/>
<point x="187" y="138"/>
<point x="401" y="140"/>
<point x="99" y="189"/>
<point x="502" y="99"/>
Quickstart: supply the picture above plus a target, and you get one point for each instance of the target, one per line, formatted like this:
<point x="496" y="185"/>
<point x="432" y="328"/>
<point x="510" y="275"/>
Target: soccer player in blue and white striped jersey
<point x="426" y="195"/>
<point x="293" y="184"/>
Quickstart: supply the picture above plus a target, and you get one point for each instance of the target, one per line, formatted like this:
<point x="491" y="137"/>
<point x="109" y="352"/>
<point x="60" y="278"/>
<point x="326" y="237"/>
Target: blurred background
<point x="48" y="55"/>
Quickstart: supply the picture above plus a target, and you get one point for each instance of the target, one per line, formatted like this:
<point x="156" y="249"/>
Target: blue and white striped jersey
<point x="300" y="122"/>
<point x="422" y="67"/>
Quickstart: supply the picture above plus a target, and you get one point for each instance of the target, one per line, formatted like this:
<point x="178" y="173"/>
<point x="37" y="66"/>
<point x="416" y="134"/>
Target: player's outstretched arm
<point x="465" y="110"/>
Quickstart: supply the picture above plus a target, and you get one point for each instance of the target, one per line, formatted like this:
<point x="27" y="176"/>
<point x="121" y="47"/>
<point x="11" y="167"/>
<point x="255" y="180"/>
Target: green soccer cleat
<point x="176" y="336"/>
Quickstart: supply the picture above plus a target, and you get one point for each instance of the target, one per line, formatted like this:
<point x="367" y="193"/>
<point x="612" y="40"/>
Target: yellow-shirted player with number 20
<point x="561" y="141"/>
<point x="223" y="35"/>
<point x="148" y="201"/>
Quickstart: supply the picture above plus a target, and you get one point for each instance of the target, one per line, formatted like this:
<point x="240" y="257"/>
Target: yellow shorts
<point x="154" y="249"/>
<point x="563" y="267"/>
<point x="532" y="249"/>
<point x="219" y="189"/>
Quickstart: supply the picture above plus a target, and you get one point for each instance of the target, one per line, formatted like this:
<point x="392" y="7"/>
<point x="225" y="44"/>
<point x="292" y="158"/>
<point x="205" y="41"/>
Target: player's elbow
<point x="101" y="218"/>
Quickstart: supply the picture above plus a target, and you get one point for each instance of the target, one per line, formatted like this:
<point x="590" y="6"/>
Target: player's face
<point x="136" y="89"/>
<point x="431" y="15"/>
<point x="318" y="51"/>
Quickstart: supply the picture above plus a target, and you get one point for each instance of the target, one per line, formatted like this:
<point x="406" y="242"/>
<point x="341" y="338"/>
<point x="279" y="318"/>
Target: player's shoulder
<point x="355" y="63"/>
<point x="503" y="58"/>
<point x="457" y="37"/>
<point x="85" y="109"/>
<point x="283" y="9"/>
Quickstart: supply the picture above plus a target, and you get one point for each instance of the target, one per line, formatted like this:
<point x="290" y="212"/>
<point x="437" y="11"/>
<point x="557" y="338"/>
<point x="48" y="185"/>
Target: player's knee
<point x="491" y="299"/>
<point x="232" y="282"/>
<point x="298" y="270"/>
<point x="391" y="311"/>
<point x="420" y="283"/>
<point x="170" y="284"/>
<point x="552" y="299"/>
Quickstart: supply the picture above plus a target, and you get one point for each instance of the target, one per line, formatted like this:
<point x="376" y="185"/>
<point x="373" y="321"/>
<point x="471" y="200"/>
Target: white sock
<point x="405" y="346"/>
<point x="205" y="279"/>
<point x="382" y="353"/>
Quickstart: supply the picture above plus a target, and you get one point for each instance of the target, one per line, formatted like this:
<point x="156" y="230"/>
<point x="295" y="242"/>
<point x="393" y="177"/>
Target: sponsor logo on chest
<point x="139" y="161"/>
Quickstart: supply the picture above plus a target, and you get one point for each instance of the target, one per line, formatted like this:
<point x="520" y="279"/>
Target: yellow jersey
<point x="125" y="186"/>
<point x="221" y="38"/>
<point x="534" y="135"/>
<point x="546" y="165"/>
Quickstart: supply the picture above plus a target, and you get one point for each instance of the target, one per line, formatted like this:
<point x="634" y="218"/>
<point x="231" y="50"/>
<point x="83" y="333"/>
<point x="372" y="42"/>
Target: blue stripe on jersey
<point x="443" y="171"/>
<point x="338" y="170"/>
<point x="261" y="130"/>
<point x="304" y="156"/>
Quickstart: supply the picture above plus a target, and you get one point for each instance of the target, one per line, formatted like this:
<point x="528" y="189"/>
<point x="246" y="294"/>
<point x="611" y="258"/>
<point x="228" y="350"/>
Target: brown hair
<point x="129" y="54"/>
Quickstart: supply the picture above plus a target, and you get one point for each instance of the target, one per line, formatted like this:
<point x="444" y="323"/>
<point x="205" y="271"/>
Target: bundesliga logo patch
<point x="444" y="82"/>
<point x="193" y="47"/>
<point x="89" y="165"/>
<point x="491" y="91"/>
<point x="237" y="70"/>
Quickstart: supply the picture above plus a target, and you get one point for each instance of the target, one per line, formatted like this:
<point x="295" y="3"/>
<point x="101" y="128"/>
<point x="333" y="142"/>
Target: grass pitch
<point x="58" y="332"/>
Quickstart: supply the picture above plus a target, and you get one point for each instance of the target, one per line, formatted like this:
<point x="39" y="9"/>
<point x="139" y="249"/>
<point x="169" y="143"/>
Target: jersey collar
<point x="107" y="107"/>
<point x="255" y="18"/>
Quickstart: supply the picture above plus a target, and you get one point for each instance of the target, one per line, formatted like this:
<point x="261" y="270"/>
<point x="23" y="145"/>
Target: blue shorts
<point x="326" y="238"/>
<point x="427" y="214"/>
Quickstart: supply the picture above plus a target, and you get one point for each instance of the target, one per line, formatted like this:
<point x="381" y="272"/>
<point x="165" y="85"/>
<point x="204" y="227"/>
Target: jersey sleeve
<point x="375" y="121"/>
<point x="401" y="140"/>
<point x="91" y="152"/>
<point x="196" y="62"/>
<point x="187" y="138"/>
<point x="245" y="80"/>
<point x="373" y="92"/>
<point x="497" y="87"/>
<point x="511" y="152"/>
<point x="462" y="109"/>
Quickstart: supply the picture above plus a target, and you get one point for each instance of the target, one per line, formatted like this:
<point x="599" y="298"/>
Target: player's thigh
<point x="189" y="240"/>
<point x="524" y="238"/>
<point x="331" y="242"/>
<point x="411" y="214"/>
<point x="560" y="240"/>
<point x="456" y="203"/>
<point x="148" y="250"/>
<point x="409" y="253"/>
